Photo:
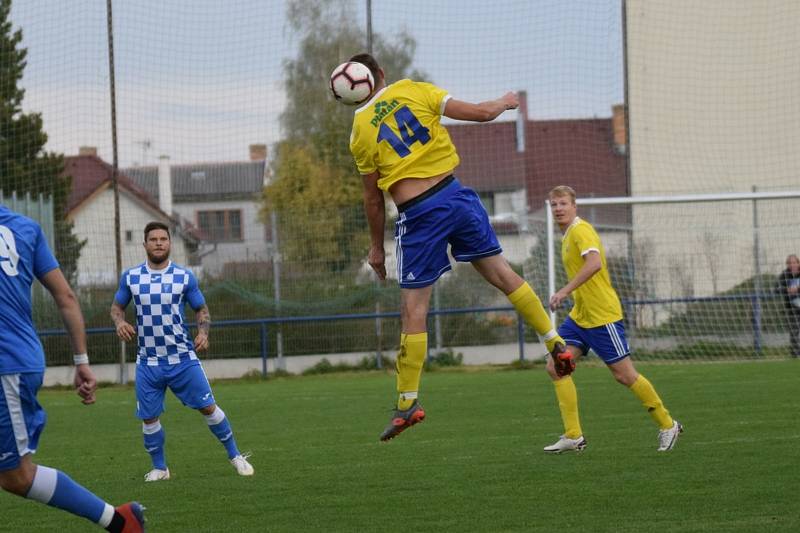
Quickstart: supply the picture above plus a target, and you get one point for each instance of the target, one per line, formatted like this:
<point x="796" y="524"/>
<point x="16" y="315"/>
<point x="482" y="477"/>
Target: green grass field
<point x="475" y="464"/>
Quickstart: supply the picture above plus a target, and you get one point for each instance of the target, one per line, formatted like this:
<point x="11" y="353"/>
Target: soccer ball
<point x="352" y="83"/>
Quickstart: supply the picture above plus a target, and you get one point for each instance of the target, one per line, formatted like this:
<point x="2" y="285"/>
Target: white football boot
<point x="157" y="475"/>
<point x="565" y="444"/>
<point x="242" y="466"/>
<point x="668" y="437"/>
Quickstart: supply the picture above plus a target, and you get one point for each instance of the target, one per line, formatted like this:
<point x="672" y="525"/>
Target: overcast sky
<point x="200" y="80"/>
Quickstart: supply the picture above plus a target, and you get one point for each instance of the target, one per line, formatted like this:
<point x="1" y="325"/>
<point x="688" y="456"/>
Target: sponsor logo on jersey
<point x="382" y="109"/>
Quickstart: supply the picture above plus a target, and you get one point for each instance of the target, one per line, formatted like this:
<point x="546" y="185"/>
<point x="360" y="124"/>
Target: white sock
<point x="216" y="417"/>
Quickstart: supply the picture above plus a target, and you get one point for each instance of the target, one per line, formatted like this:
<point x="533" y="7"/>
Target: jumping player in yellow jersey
<point x="399" y="146"/>
<point x="594" y="322"/>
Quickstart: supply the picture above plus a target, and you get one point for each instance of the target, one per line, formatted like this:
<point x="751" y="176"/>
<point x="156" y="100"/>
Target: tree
<point x="318" y="226"/>
<point x="25" y="167"/>
<point x="314" y="154"/>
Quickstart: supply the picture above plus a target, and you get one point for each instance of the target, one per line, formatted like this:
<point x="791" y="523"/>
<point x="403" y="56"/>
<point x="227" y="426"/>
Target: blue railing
<point x="755" y="303"/>
<point x="265" y="323"/>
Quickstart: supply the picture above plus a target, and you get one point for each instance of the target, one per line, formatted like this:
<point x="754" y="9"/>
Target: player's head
<point x="156" y="242"/>
<point x="793" y="263"/>
<point x="372" y="64"/>
<point x="562" y="204"/>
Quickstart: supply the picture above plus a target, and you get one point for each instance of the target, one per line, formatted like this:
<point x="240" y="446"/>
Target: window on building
<point x="128" y="235"/>
<point x="221" y="225"/>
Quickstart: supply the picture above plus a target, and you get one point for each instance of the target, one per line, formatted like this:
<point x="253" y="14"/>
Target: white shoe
<point x="668" y="437"/>
<point x="565" y="444"/>
<point x="157" y="475"/>
<point x="243" y="468"/>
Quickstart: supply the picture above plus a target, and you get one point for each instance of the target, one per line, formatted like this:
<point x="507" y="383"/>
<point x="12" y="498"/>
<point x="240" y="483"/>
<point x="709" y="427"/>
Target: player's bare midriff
<point x="409" y="188"/>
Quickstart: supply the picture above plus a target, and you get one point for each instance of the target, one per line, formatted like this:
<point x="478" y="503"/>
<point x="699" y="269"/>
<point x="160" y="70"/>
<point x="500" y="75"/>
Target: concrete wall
<point x="236" y="368"/>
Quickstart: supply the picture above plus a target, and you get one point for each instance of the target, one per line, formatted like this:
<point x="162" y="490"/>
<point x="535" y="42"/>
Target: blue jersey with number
<point x="398" y="133"/>
<point x="159" y="296"/>
<point x="24" y="254"/>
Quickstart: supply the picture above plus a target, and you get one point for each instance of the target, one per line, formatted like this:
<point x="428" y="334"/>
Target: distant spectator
<point x="789" y="286"/>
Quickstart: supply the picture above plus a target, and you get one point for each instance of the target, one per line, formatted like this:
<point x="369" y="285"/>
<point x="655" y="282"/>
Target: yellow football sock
<point x="567" y="396"/>
<point x="413" y="350"/>
<point x="530" y="307"/>
<point x="644" y="390"/>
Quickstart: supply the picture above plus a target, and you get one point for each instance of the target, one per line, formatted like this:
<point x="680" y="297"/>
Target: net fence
<point x="698" y="276"/>
<point x="225" y="131"/>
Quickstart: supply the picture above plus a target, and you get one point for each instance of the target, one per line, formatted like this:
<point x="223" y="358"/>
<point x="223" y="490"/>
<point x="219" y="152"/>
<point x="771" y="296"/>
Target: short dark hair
<point x="370" y="63"/>
<point x="155" y="225"/>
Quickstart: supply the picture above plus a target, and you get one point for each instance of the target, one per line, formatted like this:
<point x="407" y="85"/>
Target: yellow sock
<point x="530" y="307"/>
<point x="567" y="396"/>
<point x="413" y="350"/>
<point x="644" y="390"/>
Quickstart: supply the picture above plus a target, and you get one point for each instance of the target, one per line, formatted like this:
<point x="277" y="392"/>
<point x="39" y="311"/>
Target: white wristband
<point x="80" y="359"/>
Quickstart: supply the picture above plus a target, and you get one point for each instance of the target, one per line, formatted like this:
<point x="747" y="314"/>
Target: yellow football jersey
<point x="398" y="133"/>
<point x="596" y="301"/>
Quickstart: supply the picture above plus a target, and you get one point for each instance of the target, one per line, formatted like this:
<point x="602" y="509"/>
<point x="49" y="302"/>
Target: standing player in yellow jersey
<point x="399" y="146"/>
<point x="594" y="322"/>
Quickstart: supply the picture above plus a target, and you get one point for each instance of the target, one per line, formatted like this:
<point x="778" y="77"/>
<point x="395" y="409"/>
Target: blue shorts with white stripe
<point x="607" y="341"/>
<point x="22" y="418"/>
<point x="447" y="214"/>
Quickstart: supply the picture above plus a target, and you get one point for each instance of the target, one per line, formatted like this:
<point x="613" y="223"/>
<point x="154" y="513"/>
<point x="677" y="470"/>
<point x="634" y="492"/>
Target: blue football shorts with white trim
<point x="187" y="380"/>
<point x="22" y="418"/>
<point x="453" y="215"/>
<point x="607" y="341"/>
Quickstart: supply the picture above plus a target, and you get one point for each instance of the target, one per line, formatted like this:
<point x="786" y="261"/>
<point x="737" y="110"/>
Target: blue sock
<point x="221" y="428"/>
<point x="56" y="489"/>
<point x="154" y="438"/>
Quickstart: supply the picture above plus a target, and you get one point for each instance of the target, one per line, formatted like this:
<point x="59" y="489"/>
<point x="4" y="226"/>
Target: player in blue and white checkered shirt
<point x="166" y="356"/>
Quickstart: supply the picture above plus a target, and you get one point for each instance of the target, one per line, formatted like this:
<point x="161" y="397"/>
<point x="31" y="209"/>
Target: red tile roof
<point x="575" y="152"/>
<point x="90" y="173"/>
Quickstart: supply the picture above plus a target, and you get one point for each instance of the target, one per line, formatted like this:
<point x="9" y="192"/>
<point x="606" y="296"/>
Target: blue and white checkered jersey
<point x="160" y="296"/>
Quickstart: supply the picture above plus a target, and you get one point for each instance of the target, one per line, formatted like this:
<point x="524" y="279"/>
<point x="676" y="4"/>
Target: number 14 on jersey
<point x="411" y="131"/>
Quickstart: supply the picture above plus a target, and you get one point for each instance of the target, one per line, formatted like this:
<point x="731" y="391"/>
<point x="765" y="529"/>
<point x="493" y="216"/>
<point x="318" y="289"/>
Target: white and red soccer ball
<point x="352" y="83"/>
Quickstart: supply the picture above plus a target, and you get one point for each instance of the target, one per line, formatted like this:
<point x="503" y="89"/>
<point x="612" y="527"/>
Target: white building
<point x="221" y="200"/>
<point x="91" y="209"/>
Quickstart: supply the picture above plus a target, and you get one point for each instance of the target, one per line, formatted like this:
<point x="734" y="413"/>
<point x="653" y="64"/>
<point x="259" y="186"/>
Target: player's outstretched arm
<point x="482" y="112"/>
<point x="124" y="330"/>
<point x="203" y="317"/>
<point x="70" y="310"/>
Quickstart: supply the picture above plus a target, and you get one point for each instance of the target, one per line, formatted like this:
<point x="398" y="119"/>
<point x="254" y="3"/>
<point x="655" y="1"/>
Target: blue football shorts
<point x="607" y="341"/>
<point x="446" y="214"/>
<point x="22" y="419"/>
<point x="187" y="380"/>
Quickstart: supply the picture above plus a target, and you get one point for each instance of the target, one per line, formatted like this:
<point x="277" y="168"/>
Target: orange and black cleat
<point x="401" y="420"/>
<point x="563" y="360"/>
<point x="133" y="513"/>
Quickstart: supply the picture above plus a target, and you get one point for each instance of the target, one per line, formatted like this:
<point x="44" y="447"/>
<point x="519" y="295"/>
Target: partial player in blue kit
<point x="25" y="255"/>
<point x="167" y="355"/>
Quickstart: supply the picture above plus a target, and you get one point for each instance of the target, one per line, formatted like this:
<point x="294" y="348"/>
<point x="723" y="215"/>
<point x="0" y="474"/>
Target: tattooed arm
<point x="124" y="330"/>
<point x="203" y="318"/>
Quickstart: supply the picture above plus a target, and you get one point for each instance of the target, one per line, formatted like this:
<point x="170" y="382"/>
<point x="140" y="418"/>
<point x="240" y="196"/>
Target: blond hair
<point x="562" y="190"/>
